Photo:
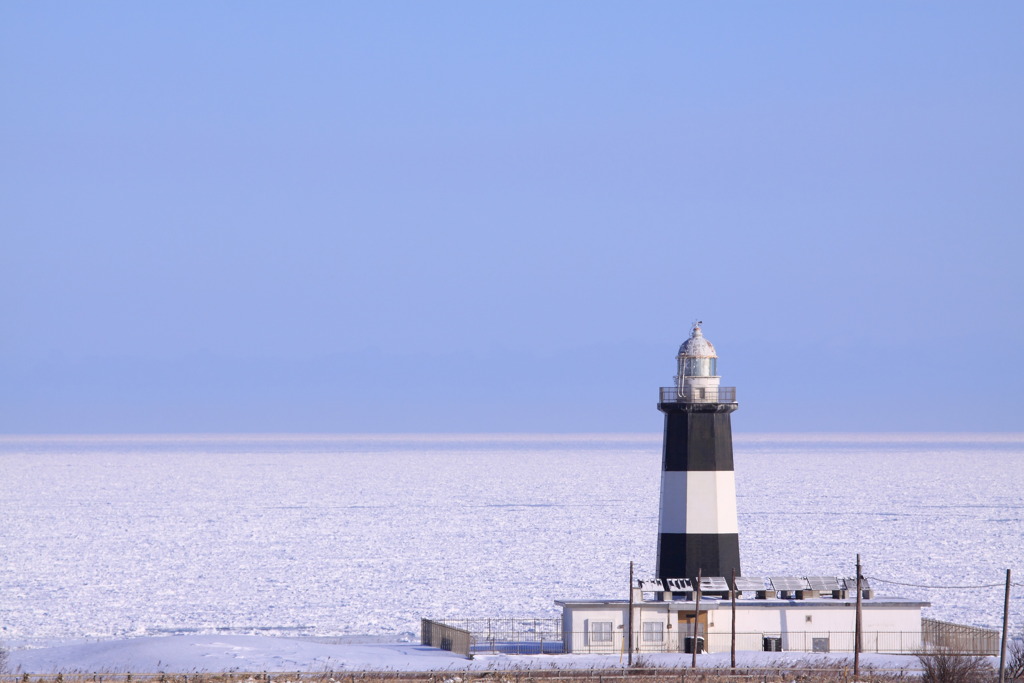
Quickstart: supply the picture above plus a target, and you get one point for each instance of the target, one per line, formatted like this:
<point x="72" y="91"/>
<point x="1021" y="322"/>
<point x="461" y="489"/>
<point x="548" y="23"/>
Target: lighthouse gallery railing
<point x="697" y="395"/>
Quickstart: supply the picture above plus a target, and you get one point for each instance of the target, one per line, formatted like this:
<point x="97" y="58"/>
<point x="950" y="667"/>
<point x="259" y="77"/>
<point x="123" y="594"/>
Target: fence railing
<point x="527" y="628"/>
<point x="445" y="637"/>
<point x="773" y="673"/>
<point x="945" y="635"/>
<point x="545" y="636"/>
<point x="615" y="642"/>
<point x="697" y="395"/>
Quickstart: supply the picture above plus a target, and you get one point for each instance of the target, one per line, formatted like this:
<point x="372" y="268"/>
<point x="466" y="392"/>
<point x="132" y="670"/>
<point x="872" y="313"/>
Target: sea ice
<point x="343" y="535"/>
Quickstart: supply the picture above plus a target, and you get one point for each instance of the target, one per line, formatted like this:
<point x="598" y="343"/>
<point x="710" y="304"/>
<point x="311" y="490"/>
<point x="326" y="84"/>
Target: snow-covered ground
<point x="111" y="537"/>
<point x="272" y="654"/>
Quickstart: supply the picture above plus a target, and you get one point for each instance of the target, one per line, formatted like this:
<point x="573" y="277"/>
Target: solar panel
<point x="851" y="583"/>
<point x="649" y="585"/>
<point x="825" y="584"/>
<point x="713" y="584"/>
<point x="679" y="585"/>
<point x="788" y="583"/>
<point x="750" y="583"/>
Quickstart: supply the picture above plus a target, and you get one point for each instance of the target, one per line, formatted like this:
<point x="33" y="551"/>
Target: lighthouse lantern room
<point x="697" y="362"/>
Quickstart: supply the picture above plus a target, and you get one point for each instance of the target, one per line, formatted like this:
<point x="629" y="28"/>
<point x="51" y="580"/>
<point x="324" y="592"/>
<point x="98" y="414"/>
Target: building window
<point x="653" y="632"/>
<point x="600" y="631"/>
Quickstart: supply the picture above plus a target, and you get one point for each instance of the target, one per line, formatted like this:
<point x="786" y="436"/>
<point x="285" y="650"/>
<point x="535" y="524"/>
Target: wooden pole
<point x="696" y="621"/>
<point x="857" y="628"/>
<point x="1006" y="619"/>
<point x="732" y="645"/>
<point x="629" y="621"/>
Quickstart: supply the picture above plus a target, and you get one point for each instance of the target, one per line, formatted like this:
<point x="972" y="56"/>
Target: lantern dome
<point x="697" y="346"/>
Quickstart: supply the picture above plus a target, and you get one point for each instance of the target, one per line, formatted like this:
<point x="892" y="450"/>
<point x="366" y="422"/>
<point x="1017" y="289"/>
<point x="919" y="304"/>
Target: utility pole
<point x="732" y="645"/>
<point x="629" y="620"/>
<point x="1006" y="619"/>
<point x="857" y="629"/>
<point x="696" y="622"/>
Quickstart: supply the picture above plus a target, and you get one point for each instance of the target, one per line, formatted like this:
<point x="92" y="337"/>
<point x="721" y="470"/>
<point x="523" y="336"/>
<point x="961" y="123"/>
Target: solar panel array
<point x="713" y="584"/>
<point x="679" y="585"/>
<point x="746" y="584"/>
<point x="750" y="583"/>
<point x="826" y="584"/>
<point x="789" y="583"/>
<point x="649" y="585"/>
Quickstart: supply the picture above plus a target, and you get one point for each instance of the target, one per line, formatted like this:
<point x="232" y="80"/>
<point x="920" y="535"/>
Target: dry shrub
<point x="949" y="666"/>
<point x="778" y="672"/>
<point x="1015" y="659"/>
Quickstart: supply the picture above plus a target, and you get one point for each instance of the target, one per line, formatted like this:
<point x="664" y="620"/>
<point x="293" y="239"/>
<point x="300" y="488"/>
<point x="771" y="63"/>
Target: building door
<point x="686" y="631"/>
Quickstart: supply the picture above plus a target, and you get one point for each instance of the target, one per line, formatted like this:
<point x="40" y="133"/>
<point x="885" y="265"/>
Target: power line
<point x="918" y="585"/>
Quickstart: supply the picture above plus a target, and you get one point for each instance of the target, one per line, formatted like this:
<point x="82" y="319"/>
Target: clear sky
<point x="504" y="216"/>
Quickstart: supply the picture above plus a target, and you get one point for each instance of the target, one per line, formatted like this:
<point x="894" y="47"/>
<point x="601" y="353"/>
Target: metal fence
<point x="517" y="636"/>
<point x="881" y="642"/>
<point x="697" y="395"/>
<point x="445" y="637"/>
<point x="801" y="641"/>
<point x="614" y="674"/>
<point x="944" y="635"/>
<point x="522" y="636"/>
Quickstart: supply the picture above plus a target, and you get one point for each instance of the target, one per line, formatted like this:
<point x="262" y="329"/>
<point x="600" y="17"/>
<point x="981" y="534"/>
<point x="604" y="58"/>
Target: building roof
<point x="748" y="603"/>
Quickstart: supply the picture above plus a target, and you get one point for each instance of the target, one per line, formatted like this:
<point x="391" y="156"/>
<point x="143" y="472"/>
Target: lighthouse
<point x="697" y="528"/>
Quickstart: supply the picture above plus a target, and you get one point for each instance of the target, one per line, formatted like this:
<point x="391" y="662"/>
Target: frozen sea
<point x="361" y="535"/>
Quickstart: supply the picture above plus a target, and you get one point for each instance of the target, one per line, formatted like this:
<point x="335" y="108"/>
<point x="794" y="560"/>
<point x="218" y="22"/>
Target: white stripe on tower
<point x="698" y="503"/>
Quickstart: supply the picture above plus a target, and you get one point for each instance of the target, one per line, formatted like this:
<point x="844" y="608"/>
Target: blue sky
<point x="503" y="216"/>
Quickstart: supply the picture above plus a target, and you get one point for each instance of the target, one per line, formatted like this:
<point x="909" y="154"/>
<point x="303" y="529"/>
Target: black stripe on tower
<point x="697" y="442"/>
<point x="684" y="555"/>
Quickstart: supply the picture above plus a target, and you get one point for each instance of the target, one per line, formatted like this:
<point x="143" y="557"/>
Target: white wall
<point x="798" y="624"/>
<point x="643" y="613"/>
<point x="578" y="625"/>
<point x="887" y="627"/>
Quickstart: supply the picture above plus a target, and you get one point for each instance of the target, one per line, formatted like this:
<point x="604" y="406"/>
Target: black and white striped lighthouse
<point x="697" y="529"/>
